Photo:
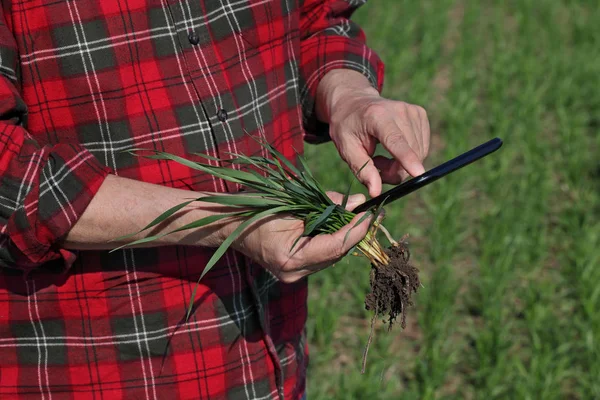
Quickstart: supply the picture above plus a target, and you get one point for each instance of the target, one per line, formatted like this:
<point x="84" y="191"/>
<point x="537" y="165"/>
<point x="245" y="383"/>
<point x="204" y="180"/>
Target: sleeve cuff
<point x="329" y="53"/>
<point x="65" y="182"/>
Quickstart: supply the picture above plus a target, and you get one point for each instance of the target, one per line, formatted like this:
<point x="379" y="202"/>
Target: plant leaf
<point x="206" y="156"/>
<point x="291" y="167"/>
<point x="146" y="239"/>
<point x="229" y="174"/>
<point x="354" y="178"/>
<point x="308" y="218"/>
<point x="196" y="224"/>
<point x="283" y="175"/>
<point x="311" y="177"/>
<point x="266" y="182"/>
<point x="296" y="242"/>
<point x="310" y="228"/>
<point x="300" y="191"/>
<point x="352" y="250"/>
<point x="277" y="156"/>
<point x="378" y="212"/>
<point x="157" y="220"/>
<point x="242" y="200"/>
<point x="210" y="219"/>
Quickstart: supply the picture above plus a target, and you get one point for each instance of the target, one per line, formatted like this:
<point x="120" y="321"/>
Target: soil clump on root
<point x="392" y="286"/>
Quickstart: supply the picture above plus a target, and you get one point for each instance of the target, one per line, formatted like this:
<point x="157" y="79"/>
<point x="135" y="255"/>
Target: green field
<point x="509" y="248"/>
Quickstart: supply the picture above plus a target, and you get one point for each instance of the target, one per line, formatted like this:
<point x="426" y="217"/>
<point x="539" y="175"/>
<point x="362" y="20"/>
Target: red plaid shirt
<point x="80" y="82"/>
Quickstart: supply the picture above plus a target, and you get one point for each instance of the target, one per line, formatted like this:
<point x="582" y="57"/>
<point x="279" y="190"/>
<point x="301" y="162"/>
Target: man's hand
<point x="269" y="242"/>
<point x="359" y="118"/>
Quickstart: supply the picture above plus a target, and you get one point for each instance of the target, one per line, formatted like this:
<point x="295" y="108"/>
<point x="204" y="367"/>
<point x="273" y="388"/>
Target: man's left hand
<point x="359" y="118"/>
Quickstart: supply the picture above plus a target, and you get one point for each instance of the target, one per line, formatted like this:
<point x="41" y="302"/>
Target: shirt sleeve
<point x="330" y="40"/>
<point x="44" y="189"/>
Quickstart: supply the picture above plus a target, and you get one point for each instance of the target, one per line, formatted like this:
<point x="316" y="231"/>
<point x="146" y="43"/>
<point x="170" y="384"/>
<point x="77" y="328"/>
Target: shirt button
<point x="193" y="38"/>
<point x="222" y="115"/>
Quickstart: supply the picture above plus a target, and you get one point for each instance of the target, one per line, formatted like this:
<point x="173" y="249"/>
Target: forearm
<point x="336" y="84"/>
<point x="123" y="206"/>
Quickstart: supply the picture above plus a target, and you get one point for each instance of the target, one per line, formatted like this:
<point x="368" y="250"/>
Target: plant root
<point x="392" y="286"/>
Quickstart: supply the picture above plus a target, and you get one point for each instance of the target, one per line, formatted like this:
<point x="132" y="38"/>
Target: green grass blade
<point x="266" y="182"/>
<point x="206" y="156"/>
<point x="229" y="174"/>
<point x="273" y="169"/>
<point x="191" y="303"/>
<point x="354" y="178"/>
<point x="310" y="177"/>
<point x="297" y="191"/>
<point x="352" y="250"/>
<point x="291" y="167"/>
<point x="277" y="156"/>
<point x="310" y="228"/>
<point x="210" y="219"/>
<point x="147" y="239"/>
<point x="304" y="169"/>
<point x="311" y="216"/>
<point x="377" y="213"/>
<point x="283" y="174"/>
<point x="242" y="201"/>
<point x="296" y="242"/>
<point x="157" y="220"/>
<point x="234" y="175"/>
<point x="264" y="160"/>
<point x="196" y="224"/>
<point x="247" y="161"/>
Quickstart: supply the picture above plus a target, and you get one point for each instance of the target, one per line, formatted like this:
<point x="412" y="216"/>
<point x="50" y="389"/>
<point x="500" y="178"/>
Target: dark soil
<point x="392" y="287"/>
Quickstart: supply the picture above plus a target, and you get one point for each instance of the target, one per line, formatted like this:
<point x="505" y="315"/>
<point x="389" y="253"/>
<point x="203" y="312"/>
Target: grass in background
<point x="509" y="248"/>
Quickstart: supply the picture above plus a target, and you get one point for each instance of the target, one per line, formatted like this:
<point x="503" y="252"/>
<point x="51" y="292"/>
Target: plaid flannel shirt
<point x="83" y="80"/>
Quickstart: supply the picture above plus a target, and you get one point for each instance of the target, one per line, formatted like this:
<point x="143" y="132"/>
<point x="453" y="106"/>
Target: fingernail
<point x="358" y="198"/>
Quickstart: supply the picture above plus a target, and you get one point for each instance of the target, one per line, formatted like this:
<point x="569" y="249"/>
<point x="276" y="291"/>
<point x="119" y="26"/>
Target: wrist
<point x="339" y="84"/>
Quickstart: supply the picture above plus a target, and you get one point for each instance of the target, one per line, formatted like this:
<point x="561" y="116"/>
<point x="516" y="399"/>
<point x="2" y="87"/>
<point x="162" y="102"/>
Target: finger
<point x="336" y="197"/>
<point x="353" y="200"/>
<point x="422" y="134"/>
<point x="354" y="153"/>
<point x="324" y="250"/>
<point x="413" y="125"/>
<point x="391" y="170"/>
<point x="419" y="136"/>
<point x="395" y="142"/>
<point x="426" y="134"/>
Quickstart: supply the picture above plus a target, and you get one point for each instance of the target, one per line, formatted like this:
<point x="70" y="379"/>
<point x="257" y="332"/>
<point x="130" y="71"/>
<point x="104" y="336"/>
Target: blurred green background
<point x="509" y="248"/>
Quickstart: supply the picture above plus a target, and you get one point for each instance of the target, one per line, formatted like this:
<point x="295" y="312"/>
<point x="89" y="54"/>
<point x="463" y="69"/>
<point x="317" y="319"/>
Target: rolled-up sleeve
<point x="330" y="40"/>
<point x="44" y="189"/>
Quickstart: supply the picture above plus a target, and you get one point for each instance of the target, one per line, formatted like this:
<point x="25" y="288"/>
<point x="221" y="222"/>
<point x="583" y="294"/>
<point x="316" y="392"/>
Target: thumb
<point x="355" y="200"/>
<point x="354" y="153"/>
<point x="324" y="250"/>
